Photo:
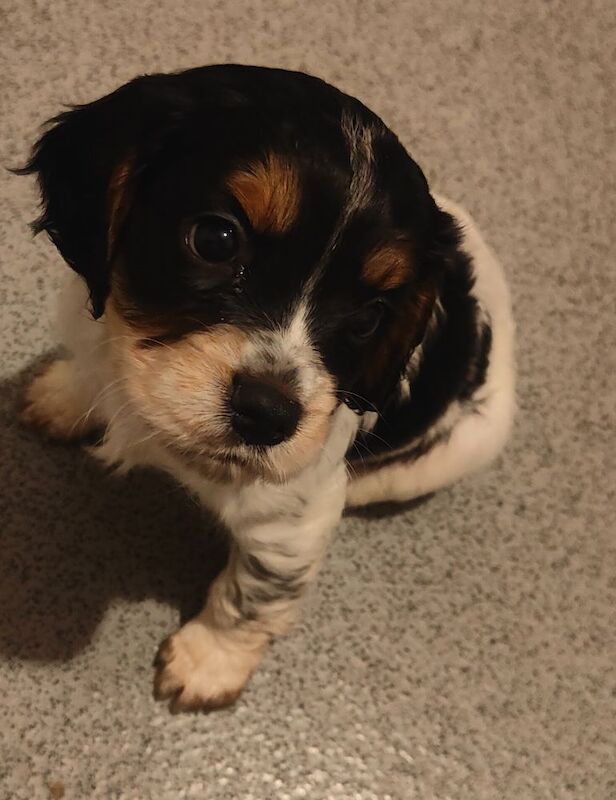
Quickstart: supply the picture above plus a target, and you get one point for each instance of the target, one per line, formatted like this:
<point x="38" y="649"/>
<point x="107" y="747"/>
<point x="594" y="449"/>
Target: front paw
<point x="198" y="669"/>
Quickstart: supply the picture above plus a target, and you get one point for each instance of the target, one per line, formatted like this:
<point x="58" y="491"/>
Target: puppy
<point x="281" y="316"/>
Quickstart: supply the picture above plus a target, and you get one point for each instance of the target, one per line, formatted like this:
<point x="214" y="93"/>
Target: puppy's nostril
<point x="262" y="414"/>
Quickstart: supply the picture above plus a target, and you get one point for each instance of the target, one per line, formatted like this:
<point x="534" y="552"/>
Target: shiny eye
<point x="214" y="238"/>
<point x="365" y="324"/>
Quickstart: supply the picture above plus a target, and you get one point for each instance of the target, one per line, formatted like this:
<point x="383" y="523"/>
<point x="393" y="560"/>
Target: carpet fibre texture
<point x="462" y="648"/>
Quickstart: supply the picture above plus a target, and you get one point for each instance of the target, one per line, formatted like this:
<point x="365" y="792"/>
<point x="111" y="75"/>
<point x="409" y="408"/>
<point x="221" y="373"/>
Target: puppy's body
<point x="287" y="322"/>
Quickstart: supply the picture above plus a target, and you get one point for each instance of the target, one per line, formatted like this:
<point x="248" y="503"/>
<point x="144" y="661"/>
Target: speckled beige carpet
<point x="462" y="649"/>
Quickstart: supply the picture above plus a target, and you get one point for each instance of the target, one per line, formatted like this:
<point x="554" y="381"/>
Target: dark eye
<point x="365" y="324"/>
<point x="214" y="238"/>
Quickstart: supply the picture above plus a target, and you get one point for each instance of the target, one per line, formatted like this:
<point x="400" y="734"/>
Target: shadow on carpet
<point x="75" y="537"/>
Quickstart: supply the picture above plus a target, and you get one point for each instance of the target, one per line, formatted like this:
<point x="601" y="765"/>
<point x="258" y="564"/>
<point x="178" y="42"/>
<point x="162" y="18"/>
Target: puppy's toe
<point x="199" y="670"/>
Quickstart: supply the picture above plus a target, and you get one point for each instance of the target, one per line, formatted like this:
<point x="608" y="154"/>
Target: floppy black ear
<point x="436" y="259"/>
<point x="85" y="163"/>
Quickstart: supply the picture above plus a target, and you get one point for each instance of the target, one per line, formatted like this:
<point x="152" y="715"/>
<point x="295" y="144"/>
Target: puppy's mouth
<point x="223" y="463"/>
<point x="196" y="455"/>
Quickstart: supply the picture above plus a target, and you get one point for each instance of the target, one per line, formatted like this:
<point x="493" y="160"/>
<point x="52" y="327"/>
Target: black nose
<point x="262" y="415"/>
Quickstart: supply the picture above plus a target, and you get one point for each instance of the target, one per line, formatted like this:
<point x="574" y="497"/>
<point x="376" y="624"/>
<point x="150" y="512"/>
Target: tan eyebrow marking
<point x="388" y="266"/>
<point x="269" y="193"/>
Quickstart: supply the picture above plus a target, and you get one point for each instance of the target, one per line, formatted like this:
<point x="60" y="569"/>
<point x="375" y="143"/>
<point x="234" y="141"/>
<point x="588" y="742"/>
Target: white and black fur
<point x="375" y="316"/>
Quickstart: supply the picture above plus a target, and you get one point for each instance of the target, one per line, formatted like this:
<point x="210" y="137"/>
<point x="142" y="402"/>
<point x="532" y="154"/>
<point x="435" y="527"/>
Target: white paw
<point x="198" y="669"/>
<point x="51" y="403"/>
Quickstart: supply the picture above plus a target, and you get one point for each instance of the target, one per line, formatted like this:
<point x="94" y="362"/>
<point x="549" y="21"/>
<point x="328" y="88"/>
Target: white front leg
<point x="280" y="535"/>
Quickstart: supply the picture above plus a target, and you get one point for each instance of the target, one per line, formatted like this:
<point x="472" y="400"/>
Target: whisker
<point x="366" y="448"/>
<point x="350" y="467"/>
<point x="360" y="397"/>
<point x="147" y="438"/>
<point x="119" y="411"/>
<point x="84" y="418"/>
<point x="108" y="340"/>
<point x="157" y="342"/>
<point x="377" y="437"/>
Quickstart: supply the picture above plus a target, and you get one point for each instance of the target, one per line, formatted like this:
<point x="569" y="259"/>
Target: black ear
<point x="437" y="257"/>
<point x="85" y="163"/>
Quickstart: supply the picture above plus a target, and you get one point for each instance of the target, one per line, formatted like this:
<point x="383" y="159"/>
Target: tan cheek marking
<point x="180" y="380"/>
<point x="269" y="193"/>
<point x="388" y="267"/>
<point x="191" y="360"/>
<point x="150" y="329"/>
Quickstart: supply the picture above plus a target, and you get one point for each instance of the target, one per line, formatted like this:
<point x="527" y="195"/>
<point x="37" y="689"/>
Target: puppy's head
<point x="262" y="248"/>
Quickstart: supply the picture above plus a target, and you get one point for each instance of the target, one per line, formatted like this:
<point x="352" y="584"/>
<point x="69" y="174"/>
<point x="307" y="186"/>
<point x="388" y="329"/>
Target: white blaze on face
<point x="288" y="354"/>
<point x="360" y="141"/>
<point x="286" y="351"/>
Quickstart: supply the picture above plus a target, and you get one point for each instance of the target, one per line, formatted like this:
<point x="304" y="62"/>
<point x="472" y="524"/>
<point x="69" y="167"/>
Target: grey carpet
<point x="464" y="648"/>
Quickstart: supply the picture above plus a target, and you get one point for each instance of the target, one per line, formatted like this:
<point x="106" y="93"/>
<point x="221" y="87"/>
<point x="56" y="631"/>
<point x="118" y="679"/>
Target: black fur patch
<point x="272" y="586"/>
<point x="280" y="582"/>
<point x="454" y="364"/>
